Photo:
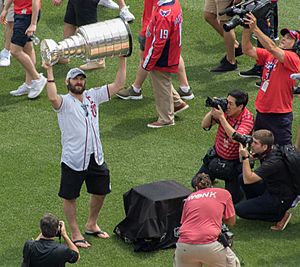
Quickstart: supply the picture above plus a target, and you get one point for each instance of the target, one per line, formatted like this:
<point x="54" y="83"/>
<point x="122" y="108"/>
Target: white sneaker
<point x="126" y="14"/>
<point x="22" y="90"/>
<point x="37" y="87"/>
<point x="4" y="61"/>
<point x="109" y="4"/>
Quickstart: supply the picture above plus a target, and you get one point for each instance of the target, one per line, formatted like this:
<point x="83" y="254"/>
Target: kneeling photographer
<point x="268" y="189"/>
<point x="202" y="239"/>
<point x="44" y="251"/>
<point x="222" y="160"/>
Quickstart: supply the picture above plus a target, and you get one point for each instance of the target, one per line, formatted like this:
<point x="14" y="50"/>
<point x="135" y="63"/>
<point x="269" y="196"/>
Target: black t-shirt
<point x="275" y="174"/>
<point x="48" y="253"/>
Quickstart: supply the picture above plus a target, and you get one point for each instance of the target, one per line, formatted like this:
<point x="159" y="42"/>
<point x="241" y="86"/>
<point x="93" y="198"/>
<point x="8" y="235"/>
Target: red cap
<point x="295" y="34"/>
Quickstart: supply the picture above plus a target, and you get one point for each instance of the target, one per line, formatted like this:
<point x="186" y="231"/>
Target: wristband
<point x="50" y="81"/>
<point x="244" y="158"/>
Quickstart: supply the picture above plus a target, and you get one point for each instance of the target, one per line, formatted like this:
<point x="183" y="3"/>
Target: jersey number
<point x="164" y="34"/>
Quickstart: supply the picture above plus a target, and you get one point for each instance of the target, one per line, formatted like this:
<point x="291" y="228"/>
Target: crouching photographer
<point x="222" y="160"/>
<point x="268" y="189"/>
<point x="44" y="251"/>
<point x="201" y="240"/>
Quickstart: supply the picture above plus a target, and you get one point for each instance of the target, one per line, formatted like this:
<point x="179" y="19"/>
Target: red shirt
<point x="148" y="7"/>
<point x="202" y="215"/>
<point x="22" y="7"/>
<point x="278" y="96"/>
<point x="226" y="148"/>
<point x="163" y="37"/>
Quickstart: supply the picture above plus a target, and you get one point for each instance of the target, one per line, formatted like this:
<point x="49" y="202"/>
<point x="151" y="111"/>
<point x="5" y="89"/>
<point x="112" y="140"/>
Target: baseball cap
<point x="72" y="73"/>
<point x="295" y="34"/>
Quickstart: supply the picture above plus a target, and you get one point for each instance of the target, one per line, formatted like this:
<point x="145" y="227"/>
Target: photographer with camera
<point x="222" y="160"/>
<point x="201" y="240"/>
<point x="268" y="189"/>
<point x="275" y="96"/>
<point x="44" y="251"/>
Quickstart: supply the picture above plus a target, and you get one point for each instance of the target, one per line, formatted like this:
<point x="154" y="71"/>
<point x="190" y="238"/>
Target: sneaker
<point x="109" y="4"/>
<point x="186" y="96"/>
<point x="129" y="93"/>
<point x="37" y="87"/>
<point x="296" y="202"/>
<point x="158" y="124"/>
<point x="93" y="65"/>
<point x="5" y="61"/>
<point x="22" y="90"/>
<point x="296" y="91"/>
<point x="280" y="226"/>
<point x="237" y="52"/>
<point x="258" y="83"/>
<point x="126" y="15"/>
<point x="224" y="67"/>
<point x="181" y="108"/>
<point x="256" y="71"/>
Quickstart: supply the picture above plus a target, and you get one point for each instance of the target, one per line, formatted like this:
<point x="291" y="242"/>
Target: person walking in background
<point x="134" y="91"/>
<point x="8" y="31"/>
<point x="25" y="25"/>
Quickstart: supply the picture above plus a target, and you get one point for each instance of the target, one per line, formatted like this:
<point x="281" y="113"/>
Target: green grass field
<point x="30" y="147"/>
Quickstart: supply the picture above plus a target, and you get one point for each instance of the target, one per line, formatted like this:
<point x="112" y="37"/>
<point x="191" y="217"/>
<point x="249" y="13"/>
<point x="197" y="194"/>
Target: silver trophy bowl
<point x="110" y="38"/>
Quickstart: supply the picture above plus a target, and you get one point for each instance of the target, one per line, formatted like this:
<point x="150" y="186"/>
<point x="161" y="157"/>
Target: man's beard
<point x="74" y="90"/>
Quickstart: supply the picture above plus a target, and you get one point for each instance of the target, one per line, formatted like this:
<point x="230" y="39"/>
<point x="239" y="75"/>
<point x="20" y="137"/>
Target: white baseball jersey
<point x="79" y="125"/>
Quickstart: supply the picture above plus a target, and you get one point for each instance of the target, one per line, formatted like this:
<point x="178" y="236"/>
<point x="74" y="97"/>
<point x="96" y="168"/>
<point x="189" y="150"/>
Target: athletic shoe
<point x="186" y="96"/>
<point x="37" y="87"/>
<point x="158" y="124"/>
<point x="181" y="108"/>
<point x="93" y="65"/>
<point x="280" y="226"/>
<point x="126" y="15"/>
<point x="256" y="71"/>
<point x="5" y="61"/>
<point x="224" y="67"/>
<point x="238" y="51"/>
<point x="258" y="83"/>
<point x="296" y="202"/>
<point x="129" y="93"/>
<point x="22" y="90"/>
<point x="296" y="91"/>
<point x="109" y="4"/>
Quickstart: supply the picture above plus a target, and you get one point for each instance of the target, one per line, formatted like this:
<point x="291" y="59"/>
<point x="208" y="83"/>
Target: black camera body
<point x="58" y="234"/>
<point x="216" y="102"/>
<point x="226" y="237"/>
<point x="259" y="8"/>
<point x="244" y="139"/>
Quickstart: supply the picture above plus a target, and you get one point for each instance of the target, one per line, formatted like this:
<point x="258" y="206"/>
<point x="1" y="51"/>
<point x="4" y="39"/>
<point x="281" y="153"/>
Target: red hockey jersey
<point x="163" y="37"/>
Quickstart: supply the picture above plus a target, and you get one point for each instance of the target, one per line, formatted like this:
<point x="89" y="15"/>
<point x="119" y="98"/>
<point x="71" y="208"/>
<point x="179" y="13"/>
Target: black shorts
<point x="79" y="13"/>
<point x="96" y="178"/>
<point x="142" y="41"/>
<point x="21" y="24"/>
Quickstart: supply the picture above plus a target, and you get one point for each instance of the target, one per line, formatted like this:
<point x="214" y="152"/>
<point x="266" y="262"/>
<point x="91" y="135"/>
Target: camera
<point x="58" y="234"/>
<point x="226" y="237"/>
<point x="244" y="139"/>
<point x="215" y="102"/>
<point x="259" y="8"/>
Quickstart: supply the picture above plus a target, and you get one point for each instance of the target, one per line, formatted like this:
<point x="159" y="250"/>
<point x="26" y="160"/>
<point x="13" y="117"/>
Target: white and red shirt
<point x="225" y="147"/>
<point x="163" y="37"/>
<point x="79" y="125"/>
<point x="202" y="215"/>
<point x="277" y="97"/>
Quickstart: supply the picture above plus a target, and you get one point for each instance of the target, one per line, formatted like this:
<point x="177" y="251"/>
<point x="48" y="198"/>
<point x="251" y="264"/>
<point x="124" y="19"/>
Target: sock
<point x="135" y="89"/>
<point x="185" y="89"/>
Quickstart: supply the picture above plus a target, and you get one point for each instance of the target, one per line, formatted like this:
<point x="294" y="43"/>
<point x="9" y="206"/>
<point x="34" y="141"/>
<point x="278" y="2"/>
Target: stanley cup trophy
<point x="110" y="38"/>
